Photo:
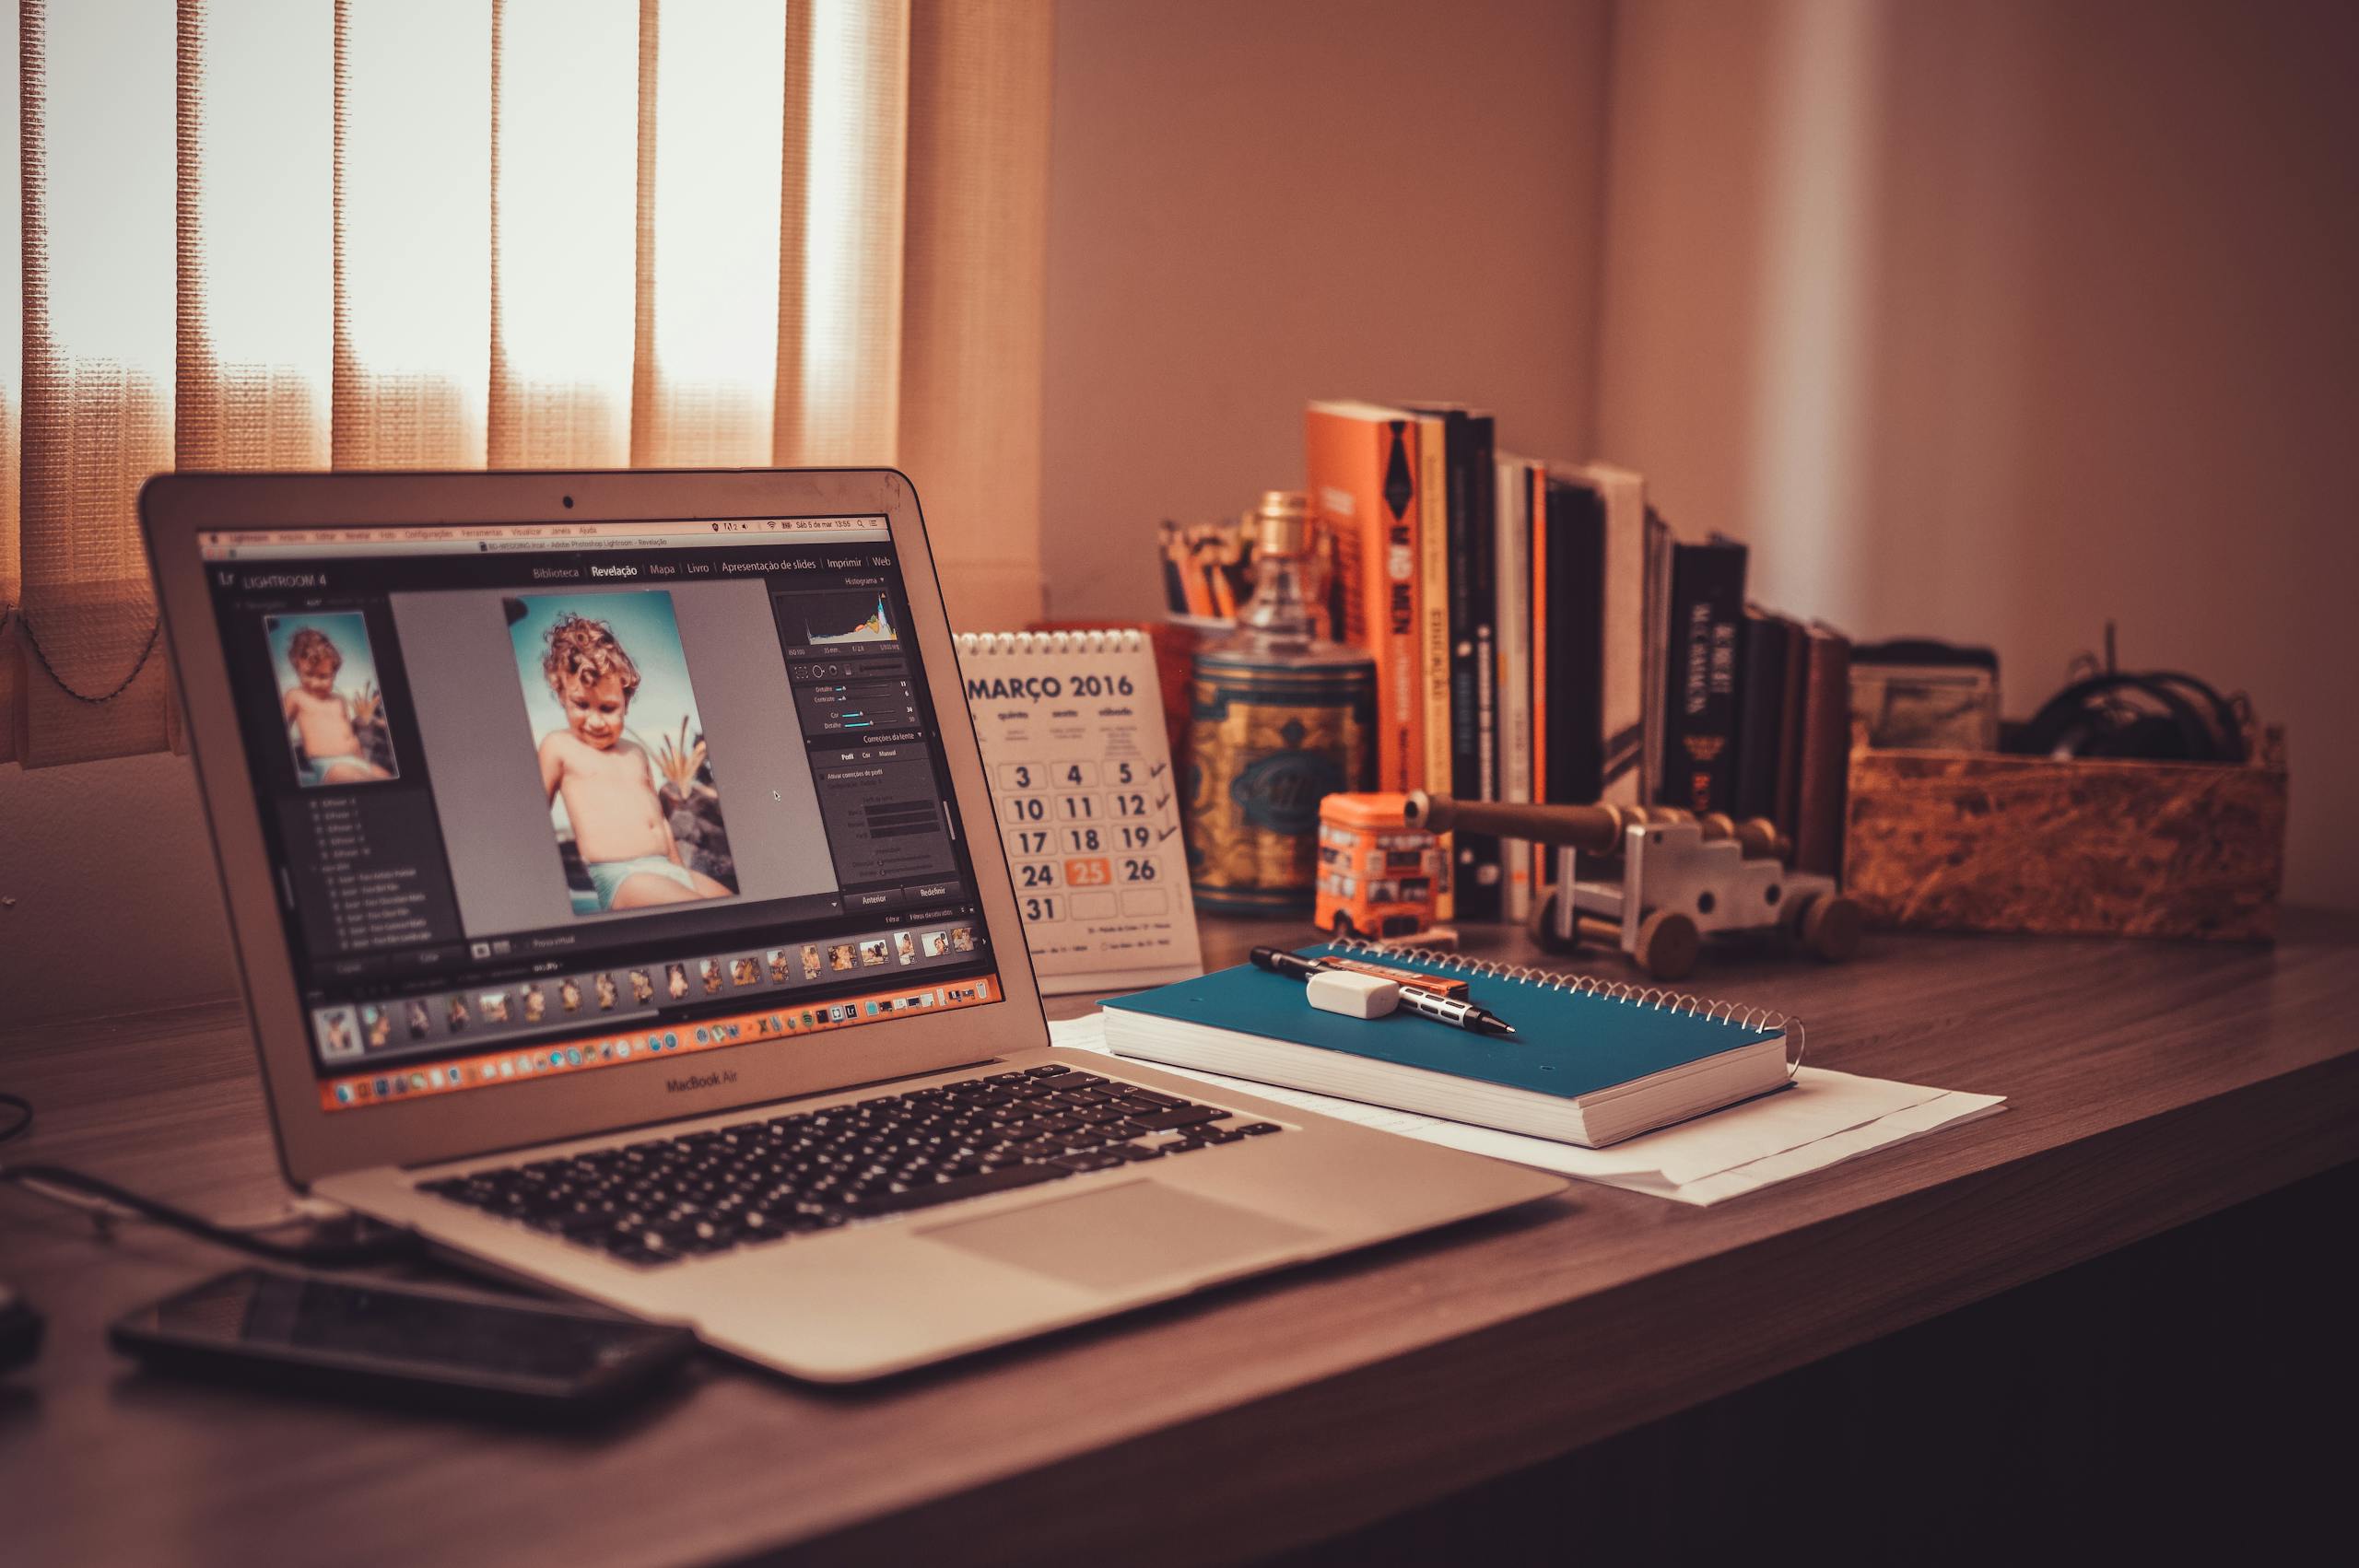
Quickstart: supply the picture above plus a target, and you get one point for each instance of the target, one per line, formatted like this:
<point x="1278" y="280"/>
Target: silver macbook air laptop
<point x="619" y="906"/>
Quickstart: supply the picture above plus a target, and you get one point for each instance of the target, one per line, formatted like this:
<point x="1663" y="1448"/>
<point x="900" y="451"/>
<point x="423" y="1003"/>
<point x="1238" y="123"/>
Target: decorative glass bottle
<point x="1282" y="718"/>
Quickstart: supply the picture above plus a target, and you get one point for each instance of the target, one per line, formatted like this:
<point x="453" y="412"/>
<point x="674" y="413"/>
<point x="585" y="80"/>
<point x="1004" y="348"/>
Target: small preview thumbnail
<point x="329" y="698"/>
<point x="338" y="1032"/>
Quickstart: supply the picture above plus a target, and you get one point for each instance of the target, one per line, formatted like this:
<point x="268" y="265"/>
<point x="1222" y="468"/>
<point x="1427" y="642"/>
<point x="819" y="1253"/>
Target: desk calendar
<point x="1088" y="802"/>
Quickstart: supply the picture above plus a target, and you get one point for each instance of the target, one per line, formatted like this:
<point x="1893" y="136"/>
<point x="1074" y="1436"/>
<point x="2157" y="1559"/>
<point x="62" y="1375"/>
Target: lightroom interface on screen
<point x="544" y="798"/>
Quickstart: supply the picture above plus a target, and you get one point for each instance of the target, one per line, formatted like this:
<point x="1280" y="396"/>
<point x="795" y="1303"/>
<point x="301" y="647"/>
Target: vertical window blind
<point x="506" y="233"/>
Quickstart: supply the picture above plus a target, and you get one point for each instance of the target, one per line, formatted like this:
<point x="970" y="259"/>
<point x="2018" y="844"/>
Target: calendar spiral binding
<point x="1660" y="997"/>
<point x="1127" y="640"/>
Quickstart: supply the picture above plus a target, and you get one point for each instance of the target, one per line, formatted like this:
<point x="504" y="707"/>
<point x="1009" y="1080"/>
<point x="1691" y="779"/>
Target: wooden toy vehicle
<point x="1377" y="876"/>
<point x="1654" y="880"/>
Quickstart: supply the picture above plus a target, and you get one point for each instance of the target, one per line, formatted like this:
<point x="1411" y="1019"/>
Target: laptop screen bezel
<point x="314" y="1142"/>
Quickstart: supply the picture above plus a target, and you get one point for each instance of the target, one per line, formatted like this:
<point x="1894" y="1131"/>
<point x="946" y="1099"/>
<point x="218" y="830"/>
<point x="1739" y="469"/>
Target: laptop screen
<point x="552" y="798"/>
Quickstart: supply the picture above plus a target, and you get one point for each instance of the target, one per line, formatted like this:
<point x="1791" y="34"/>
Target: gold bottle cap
<point x="1282" y="523"/>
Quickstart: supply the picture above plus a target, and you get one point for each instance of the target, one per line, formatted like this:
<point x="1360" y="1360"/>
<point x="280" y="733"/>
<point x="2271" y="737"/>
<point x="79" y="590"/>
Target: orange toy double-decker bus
<point x="1377" y="876"/>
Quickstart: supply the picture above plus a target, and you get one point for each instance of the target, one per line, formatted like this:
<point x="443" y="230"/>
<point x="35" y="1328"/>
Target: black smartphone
<point x="409" y="1344"/>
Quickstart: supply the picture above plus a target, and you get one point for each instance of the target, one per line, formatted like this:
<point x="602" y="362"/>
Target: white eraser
<point x="1353" y="995"/>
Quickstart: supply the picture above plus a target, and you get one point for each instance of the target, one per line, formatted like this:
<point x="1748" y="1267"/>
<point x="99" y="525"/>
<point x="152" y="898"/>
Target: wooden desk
<point x="2150" y="1083"/>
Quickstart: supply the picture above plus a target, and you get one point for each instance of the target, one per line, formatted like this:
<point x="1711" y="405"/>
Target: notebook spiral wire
<point x="1660" y="997"/>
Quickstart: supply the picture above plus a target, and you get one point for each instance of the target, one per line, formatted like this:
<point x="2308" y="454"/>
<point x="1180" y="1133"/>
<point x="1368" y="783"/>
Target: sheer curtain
<point x="514" y="233"/>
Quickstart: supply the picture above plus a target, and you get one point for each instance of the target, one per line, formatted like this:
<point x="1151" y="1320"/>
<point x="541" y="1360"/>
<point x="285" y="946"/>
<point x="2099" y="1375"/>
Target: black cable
<point x="378" y="1246"/>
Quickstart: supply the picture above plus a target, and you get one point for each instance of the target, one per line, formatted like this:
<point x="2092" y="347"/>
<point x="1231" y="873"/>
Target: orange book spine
<point x="1361" y="473"/>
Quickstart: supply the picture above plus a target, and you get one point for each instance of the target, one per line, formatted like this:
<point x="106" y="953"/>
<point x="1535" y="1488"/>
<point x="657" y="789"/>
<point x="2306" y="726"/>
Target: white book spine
<point x="1512" y="576"/>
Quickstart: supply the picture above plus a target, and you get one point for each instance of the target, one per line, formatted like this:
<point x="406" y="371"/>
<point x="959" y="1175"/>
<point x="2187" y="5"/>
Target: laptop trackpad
<point x="1122" y="1237"/>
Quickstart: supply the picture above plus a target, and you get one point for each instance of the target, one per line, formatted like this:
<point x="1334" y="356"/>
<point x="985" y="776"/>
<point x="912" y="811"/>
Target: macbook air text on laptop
<point x="618" y="905"/>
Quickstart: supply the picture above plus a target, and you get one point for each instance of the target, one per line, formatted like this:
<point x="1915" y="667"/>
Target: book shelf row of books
<point x="1541" y="634"/>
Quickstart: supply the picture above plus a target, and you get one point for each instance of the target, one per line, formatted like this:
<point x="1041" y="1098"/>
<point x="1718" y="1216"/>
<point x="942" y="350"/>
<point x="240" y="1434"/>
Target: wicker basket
<point x="1974" y="842"/>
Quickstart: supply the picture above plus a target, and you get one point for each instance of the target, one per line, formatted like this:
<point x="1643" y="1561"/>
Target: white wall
<point x="1253" y="202"/>
<point x="1992" y="319"/>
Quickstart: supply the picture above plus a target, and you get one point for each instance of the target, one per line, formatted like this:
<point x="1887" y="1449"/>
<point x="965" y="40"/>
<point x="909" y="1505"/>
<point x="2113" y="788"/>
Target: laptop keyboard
<point x="765" y="1181"/>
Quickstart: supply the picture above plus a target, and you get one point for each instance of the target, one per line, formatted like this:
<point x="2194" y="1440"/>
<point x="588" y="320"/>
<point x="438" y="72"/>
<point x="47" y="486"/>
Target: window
<point x="518" y="233"/>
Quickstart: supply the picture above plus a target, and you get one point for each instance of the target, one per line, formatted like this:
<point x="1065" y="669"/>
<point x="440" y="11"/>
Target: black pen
<point x="1425" y="1004"/>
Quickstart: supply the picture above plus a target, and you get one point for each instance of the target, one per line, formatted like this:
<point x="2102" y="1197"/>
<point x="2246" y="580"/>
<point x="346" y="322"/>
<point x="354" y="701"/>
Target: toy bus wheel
<point x="1668" y="942"/>
<point x="1831" y="926"/>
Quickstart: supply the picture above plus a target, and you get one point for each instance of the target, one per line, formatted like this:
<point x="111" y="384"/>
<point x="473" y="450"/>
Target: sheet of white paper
<point x="1823" y="1117"/>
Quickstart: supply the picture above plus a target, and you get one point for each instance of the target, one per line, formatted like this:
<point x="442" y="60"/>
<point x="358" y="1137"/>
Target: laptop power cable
<point x="105" y="1202"/>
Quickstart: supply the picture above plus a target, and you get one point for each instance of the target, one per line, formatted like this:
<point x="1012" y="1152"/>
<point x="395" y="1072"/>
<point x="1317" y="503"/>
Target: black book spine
<point x="1700" y="678"/>
<point x="1761" y="706"/>
<point x="1481" y="882"/>
<point x="1576" y="738"/>
<point x="1478" y="880"/>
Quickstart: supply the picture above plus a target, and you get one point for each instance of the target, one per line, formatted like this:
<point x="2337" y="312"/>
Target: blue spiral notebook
<point x="1593" y="1062"/>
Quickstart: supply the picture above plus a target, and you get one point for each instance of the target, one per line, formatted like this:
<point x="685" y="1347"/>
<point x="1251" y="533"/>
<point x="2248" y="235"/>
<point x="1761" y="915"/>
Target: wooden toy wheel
<point x="1544" y="930"/>
<point x="1831" y="926"/>
<point x="1668" y="942"/>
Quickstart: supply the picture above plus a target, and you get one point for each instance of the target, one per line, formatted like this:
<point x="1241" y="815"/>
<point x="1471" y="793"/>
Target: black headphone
<point x="2100" y="718"/>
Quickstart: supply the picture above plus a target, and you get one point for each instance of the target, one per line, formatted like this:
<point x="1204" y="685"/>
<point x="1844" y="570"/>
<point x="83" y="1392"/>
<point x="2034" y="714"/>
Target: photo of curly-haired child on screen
<point x="621" y="748"/>
<point x="329" y="698"/>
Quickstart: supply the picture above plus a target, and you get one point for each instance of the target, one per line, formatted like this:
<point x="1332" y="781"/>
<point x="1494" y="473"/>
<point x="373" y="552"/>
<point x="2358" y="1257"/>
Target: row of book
<point x="1540" y="634"/>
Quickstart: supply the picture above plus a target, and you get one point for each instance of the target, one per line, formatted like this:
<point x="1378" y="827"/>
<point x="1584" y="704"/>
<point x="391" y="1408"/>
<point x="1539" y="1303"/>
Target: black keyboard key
<point x="1165" y="1122"/>
<point x="1256" y="1129"/>
<point x="709" y="1235"/>
<point x="1006" y="1179"/>
<point x="1089" y="1159"/>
